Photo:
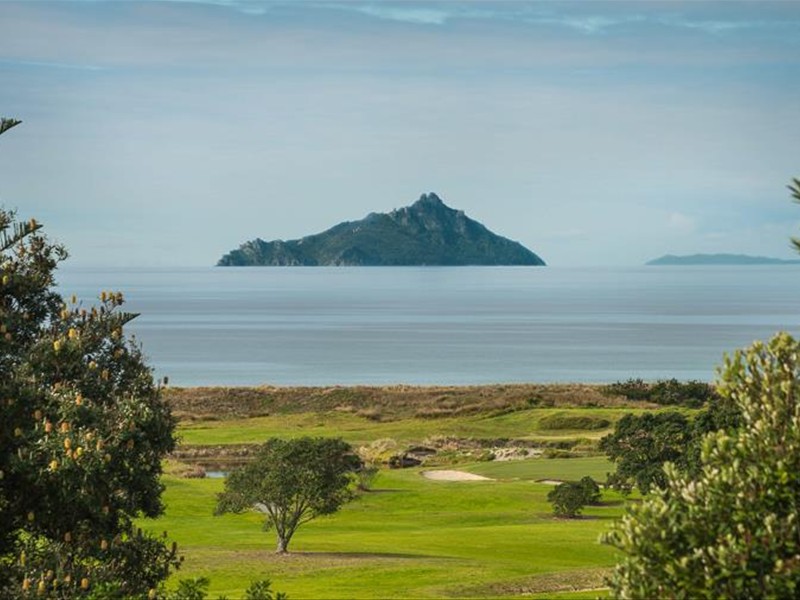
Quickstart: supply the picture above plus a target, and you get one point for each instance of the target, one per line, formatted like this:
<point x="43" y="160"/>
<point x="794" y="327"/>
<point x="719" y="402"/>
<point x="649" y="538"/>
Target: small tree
<point x="640" y="445"/>
<point x="591" y="491"/>
<point x="83" y="430"/>
<point x="292" y="482"/>
<point x="733" y="531"/>
<point x="568" y="499"/>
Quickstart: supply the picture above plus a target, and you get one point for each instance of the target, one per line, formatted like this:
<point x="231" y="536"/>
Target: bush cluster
<point x="569" y="498"/>
<point x="667" y="392"/>
<point x="582" y="422"/>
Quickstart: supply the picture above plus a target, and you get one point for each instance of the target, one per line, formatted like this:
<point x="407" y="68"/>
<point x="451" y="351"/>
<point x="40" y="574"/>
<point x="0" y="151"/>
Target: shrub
<point x="568" y="499"/>
<point x="732" y="530"/>
<point x="582" y="422"/>
<point x="667" y="392"/>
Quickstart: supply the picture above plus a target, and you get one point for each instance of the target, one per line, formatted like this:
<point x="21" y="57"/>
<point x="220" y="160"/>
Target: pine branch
<point x="19" y="232"/>
<point x="6" y="124"/>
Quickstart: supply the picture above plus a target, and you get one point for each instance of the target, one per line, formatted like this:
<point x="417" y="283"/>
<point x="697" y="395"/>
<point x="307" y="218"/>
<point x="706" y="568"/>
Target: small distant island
<point x="719" y="259"/>
<point x="426" y="233"/>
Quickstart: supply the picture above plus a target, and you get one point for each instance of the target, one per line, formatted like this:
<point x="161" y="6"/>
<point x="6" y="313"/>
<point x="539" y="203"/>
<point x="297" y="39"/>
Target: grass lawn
<point x="565" y="469"/>
<point x="409" y="538"/>
<point x="358" y="430"/>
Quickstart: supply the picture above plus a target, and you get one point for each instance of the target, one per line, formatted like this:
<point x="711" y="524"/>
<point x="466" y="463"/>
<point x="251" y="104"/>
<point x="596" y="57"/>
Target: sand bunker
<point x="445" y="475"/>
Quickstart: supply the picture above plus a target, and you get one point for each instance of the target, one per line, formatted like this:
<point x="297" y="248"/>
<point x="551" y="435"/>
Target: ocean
<point x="444" y="325"/>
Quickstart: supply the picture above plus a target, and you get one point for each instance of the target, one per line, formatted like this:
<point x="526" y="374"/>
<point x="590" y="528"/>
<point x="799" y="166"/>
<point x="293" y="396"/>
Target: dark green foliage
<point x="262" y="590"/>
<point x="569" y="498"/>
<point x="426" y="233"/>
<point x="640" y="445"/>
<point x="197" y="589"/>
<point x="667" y="392"/>
<point x="591" y="491"/>
<point x="6" y="124"/>
<point x="731" y="530"/>
<point x="83" y="430"/>
<point x="564" y="421"/>
<point x="292" y="482"/>
<point x="365" y="476"/>
<point x="191" y="589"/>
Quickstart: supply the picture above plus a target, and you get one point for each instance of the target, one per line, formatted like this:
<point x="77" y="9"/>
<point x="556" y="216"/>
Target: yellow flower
<point x="85" y="583"/>
<point x="31" y="517"/>
<point x="53" y="465"/>
<point x="57" y="345"/>
<point x="72" y="333"/>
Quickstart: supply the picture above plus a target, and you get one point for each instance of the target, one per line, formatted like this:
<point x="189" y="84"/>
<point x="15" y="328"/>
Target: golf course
<point x="410" y="534"/>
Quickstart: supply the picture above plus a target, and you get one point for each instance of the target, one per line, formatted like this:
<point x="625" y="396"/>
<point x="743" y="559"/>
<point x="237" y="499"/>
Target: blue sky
<point x="167" y="133"/>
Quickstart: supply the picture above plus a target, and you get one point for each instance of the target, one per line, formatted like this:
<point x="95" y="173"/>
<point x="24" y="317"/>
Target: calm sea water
<point x="429" y="325"/>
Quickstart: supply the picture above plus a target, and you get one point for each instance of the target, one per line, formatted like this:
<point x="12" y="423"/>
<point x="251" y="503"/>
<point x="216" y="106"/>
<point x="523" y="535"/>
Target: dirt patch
<point x="447" y="475"/>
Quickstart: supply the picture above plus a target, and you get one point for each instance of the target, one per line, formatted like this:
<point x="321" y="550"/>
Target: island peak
<point x="426" y="233"/>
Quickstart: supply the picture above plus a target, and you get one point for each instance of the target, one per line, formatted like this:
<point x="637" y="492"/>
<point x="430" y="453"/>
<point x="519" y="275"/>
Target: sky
<point x="167" y="133"/>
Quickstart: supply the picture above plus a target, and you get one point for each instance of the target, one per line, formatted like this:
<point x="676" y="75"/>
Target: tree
<point x="292" y="482"/>
<point x="640" y="445"/>
<point x="83" y="430"/>
<point x="733" y="531"/>
<point x="591" y="491"/>
<point x="569" y="498"/>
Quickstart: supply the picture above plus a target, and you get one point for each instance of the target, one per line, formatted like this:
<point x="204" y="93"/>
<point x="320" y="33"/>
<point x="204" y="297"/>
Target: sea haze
<point x="444" y="325"/>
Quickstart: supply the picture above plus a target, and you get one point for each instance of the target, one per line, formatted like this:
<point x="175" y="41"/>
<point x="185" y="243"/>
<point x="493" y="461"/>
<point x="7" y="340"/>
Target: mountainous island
<point x="719" y="259"/>
<point x="426" y="233"/>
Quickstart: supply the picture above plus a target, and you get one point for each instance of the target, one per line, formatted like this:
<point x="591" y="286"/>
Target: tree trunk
<point x="283" y="544"/>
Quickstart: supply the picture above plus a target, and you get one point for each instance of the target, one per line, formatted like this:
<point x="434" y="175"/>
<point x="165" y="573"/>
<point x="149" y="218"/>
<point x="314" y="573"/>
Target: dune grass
<point x="409" y="538"/>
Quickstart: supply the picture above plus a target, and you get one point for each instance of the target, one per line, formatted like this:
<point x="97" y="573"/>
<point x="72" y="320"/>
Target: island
<point x="426" y="233"/>
<point x="718" y="259"/>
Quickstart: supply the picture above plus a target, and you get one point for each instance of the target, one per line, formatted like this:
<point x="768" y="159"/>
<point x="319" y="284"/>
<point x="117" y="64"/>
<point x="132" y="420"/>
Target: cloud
<point x="423" y="16"/>
<point x="52" y="65"/>
<point x="681" y="223"/>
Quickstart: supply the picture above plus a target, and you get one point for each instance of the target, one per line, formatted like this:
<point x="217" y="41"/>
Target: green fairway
<point x="409" y="538"/>
<point x="565" y="469"/>
<point x="523" y="424"/>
